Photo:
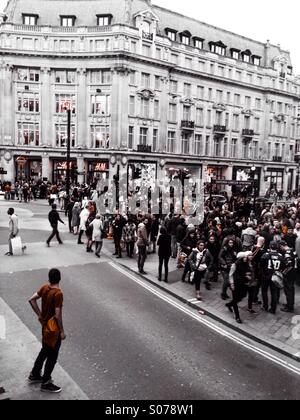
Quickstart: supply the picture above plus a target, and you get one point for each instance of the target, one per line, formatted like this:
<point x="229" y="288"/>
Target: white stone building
<point x="150" y="88"/>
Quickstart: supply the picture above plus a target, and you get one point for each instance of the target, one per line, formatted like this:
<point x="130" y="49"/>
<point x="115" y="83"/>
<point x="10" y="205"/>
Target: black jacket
<point x="164" y="243"/>
<point x="54" y="218"/>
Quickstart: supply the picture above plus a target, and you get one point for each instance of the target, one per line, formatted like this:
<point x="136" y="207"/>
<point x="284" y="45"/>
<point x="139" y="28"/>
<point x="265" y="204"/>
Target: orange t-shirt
<point x="51" y="298"/>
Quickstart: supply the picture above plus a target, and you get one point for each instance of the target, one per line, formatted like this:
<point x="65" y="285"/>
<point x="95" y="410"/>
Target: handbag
<point x="51" y="333"/>
<point x="16" y="245"/>
<point x="277" y="279"/>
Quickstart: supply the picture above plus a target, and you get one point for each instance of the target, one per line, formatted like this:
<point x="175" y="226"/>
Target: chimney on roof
<point x="267" y="53"/>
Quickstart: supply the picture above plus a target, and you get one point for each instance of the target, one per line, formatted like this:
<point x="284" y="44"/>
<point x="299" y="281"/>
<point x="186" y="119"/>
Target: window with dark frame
<point x="67" y="21"/>
<point x="198" y="43"/>
<point x="171" y="34"/>
<point x="30" y="19"/>
<point x="104" y="20"/>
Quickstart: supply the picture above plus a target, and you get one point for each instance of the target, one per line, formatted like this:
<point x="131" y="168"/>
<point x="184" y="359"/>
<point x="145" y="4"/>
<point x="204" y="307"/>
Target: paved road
<point x="125" y="343"/>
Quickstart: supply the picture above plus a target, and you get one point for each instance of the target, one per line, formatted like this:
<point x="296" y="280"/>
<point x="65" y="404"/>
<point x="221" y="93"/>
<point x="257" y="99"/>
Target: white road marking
<point x="212" y="326"/>
<point x="2" y="328"/>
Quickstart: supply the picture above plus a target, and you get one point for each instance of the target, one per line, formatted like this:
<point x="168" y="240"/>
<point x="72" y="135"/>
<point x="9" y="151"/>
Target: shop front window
<point x="98" y="170"/>
<point x="274" y="180"/>
<point x="60" y="171"/>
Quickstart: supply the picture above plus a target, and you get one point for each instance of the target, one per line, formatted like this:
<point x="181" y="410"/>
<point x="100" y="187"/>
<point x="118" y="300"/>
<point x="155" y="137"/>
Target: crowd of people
<point x="253" y="248"/>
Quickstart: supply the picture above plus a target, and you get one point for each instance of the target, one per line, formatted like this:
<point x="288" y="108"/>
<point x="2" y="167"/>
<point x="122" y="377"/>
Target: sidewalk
<point x="19" y="347"/>
<point x="274" y="331"/>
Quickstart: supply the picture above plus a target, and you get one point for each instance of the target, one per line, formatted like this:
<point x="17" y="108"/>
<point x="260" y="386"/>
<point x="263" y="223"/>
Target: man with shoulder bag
<point x="50" y="317"/>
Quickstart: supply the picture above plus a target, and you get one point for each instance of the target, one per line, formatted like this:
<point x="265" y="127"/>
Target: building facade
<point x="153" y="93"/>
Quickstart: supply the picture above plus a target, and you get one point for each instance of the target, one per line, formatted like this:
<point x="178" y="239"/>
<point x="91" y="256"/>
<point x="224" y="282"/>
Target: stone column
<point x="164" y="110"/>
<point x="119" y="107"/>
<point x="228" y="173"/>
<point x="285" y="179"/>
<point x="2" y="79"/>
<point x="11" y="172"/>
<point x="81" y="111"/>
<point x="46" y="169"/>
<point x="263" y="145"/>
<point x="45" y="110"/>
<point x="8" y="111"/>
<point x="81" y="169"/>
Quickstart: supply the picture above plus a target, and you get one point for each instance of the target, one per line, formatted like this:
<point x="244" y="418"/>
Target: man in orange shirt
<point x="52" y="303"/>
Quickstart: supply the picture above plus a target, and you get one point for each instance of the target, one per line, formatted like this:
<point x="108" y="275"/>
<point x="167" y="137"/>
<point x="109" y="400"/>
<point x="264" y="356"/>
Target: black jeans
<point x="275" y="293"/>
<point x="251" y="296"/>
<point x="289" y="289"/>
<point x="238" y="294"/>
<point x="118" y="249"/>
<point x="70" y="223"/>
<point x="48" y="355"/>
<point x="54" y="233"/>
<point x="142" y="257"/>
<point x="163" y="260"/>
<point x="187" y="269"/>
<point x="198" y="276"/>
<point x="130" y="248"/>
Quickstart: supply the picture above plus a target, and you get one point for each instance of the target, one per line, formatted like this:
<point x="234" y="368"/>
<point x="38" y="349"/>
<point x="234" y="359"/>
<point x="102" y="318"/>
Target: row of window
<point x="104" y="77"/>
<point x="66" y="21"/>
<point x="206" y="146"/>
<point x="97" y="77"/>
<point x="29" y="102"/>
<point x="146" y="80"/>
<point x="100" y="105"/>
<point x="216" y="47"/>
<point x="29" y="135"/>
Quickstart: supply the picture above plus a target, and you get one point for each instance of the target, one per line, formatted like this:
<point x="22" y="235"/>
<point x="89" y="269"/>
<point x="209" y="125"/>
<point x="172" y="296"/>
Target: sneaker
<point x="251" y="311"/>
<point x="35" y="379"/>
<point x="272" y="311"/>
<point x="239" y="321"/>
<point x="286" y="309"/>
<point x="50" y="387"/>
<point x="229" y="307"/>
<point x="224" y="297"/>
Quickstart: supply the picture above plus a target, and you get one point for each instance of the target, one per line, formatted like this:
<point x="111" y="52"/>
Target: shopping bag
<point x="16" y="245"/>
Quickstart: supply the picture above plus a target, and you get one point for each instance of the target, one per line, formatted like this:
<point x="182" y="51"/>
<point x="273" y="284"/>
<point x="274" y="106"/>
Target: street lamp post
<point x="253" y="172"/>
<point x="297" y="160"/>
<point x="68" y="153"/>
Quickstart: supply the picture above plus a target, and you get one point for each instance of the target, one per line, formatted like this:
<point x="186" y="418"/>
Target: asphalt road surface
<point x="123" y="342"/>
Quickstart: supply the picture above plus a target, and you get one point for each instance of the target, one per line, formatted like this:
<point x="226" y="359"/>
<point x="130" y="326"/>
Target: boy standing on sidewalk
<point x="52" y="302"/>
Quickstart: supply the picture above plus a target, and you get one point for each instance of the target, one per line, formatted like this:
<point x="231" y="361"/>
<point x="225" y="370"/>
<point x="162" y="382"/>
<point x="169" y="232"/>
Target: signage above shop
<point x="63" y="165"/>
<point x="101" y="167"/>
<point x="233" y="182"/>
<point x="21" y="159"/>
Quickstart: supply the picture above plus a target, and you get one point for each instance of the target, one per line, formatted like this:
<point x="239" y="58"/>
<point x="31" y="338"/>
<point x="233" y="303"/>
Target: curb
<point x="3" y="395"/>
<point x="211" y="315"/>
